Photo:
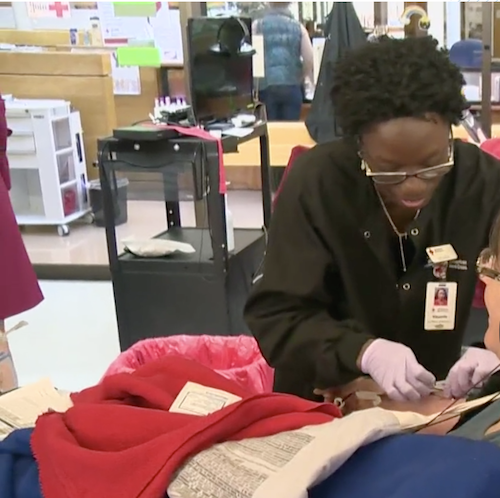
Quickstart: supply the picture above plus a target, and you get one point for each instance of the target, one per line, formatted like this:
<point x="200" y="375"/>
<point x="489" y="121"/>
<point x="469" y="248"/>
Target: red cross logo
<point x="59" y="8"/>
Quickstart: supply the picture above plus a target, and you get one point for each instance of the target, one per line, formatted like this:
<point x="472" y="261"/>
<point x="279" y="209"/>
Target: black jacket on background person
<point x="331" y="281"/>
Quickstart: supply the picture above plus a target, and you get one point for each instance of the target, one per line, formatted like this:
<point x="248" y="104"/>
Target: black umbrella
<point x="343" y="32"/>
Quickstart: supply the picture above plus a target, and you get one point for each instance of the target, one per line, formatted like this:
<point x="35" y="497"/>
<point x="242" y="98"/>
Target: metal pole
<point x="487" y="22"/>
<point x="315" y="13"/>
<point x="380" y="14"/>
<point x="301" y="12"/>
<point x="187" y="10"/>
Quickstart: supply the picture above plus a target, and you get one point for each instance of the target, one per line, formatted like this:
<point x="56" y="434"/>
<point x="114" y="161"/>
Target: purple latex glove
<point x="395" y="369"/>
<point x="471" y="370"/>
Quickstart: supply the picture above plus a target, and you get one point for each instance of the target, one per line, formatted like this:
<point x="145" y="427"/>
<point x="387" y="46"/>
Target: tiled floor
<point x="71" y="336"/>
<point x="86" y="244"/>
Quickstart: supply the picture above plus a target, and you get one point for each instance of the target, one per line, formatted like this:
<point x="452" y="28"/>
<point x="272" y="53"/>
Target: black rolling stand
<point x="200" y="293"/>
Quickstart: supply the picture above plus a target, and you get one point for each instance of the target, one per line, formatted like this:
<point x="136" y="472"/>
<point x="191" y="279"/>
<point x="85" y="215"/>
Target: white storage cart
<point x="47" y="163"/>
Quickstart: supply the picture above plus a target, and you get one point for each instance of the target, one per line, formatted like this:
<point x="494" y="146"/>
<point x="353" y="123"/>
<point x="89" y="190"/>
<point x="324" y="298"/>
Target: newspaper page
<point x="21" y="408"/>
<point x="284" y="465"/>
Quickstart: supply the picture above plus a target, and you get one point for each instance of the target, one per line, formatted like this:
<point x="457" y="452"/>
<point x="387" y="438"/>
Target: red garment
<point x="296" y="152"/>
<point x="19" y="290"/>
<point x="120" y="440"/>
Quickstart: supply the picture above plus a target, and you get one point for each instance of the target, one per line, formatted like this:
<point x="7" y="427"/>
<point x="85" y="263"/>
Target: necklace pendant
<point x="402" y="253"/>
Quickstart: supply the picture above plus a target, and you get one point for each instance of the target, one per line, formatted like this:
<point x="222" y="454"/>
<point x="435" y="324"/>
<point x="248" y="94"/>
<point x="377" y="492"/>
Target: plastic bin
<point x="235" y="357"/>
<point x="120" y="194"/>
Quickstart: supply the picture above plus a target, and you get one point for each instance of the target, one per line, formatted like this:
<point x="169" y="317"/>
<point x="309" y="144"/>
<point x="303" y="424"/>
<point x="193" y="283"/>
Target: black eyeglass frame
<point x="397" y="177"/>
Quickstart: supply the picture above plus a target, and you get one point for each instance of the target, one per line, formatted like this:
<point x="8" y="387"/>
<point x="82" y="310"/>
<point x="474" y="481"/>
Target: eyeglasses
<point x="394" y="178"/>
<point x="484" y="265"/>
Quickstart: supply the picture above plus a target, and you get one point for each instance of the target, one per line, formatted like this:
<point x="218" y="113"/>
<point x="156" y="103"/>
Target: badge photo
<point x="440" y="306"/>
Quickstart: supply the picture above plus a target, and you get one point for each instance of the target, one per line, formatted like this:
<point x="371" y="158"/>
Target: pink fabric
<point x="492" y="146"/>
<point x="296" y="152"/>
<point x="237" y="358"/>
<point x="19" y="290"/>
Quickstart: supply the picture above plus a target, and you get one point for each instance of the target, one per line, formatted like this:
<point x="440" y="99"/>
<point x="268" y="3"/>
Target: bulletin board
<point x="123" y="24"/>
<point x="161" y="23"/>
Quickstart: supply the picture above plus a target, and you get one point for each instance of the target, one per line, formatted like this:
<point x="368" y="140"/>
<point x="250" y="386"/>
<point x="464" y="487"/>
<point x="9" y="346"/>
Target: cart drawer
<point x="21" y="144"/>
<point x="23" y="161"/>
<point x="21" y="124"/>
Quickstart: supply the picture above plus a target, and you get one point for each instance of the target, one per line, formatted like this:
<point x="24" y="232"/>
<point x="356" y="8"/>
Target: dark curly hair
<point x="395" y="79"/>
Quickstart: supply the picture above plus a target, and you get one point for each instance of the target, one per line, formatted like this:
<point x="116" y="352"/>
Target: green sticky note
<point x="138" y="56"/>
<point x="134" y="9"/>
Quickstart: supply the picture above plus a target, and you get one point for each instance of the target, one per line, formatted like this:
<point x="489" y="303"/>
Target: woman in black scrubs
<point x="369" y="227"/>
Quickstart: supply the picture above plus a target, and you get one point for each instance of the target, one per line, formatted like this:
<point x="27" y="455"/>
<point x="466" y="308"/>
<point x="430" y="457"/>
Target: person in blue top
<point x="288" y="60"/>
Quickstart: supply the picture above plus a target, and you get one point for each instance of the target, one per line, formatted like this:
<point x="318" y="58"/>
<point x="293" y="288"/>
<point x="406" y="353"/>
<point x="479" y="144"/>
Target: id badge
<point x="440" y="306"/>
<point x="441" y="254"/>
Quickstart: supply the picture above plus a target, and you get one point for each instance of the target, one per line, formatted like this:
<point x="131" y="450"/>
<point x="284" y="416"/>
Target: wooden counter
<point x="242" y="167"/>
<point x="82" y="79"/>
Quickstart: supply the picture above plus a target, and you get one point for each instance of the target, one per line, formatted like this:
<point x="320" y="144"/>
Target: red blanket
<point x="120" y="440"/>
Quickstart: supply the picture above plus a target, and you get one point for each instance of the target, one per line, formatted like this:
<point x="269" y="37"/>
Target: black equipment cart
<point x="200" y="293"/>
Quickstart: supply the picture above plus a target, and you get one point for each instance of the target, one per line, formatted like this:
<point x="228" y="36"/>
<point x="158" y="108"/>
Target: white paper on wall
<point x="259" y="70"/>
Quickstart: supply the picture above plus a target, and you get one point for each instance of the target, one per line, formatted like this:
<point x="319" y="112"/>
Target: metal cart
<point x="200" y="293"/>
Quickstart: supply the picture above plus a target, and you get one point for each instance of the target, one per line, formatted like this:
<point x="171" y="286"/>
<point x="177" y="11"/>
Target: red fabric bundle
<point x="120" y="440"/>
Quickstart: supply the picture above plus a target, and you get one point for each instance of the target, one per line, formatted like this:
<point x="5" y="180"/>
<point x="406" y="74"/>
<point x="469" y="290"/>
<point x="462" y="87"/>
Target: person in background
<point x="441" y="298"/>
<point x="288" y="60"/>
<point x="19" y="290"/>
<point x="352" y="266"/>
<point x="311" y="29"/>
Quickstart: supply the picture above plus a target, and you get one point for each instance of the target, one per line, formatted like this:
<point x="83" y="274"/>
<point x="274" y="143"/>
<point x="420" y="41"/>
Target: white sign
<point x="48" y="9"/>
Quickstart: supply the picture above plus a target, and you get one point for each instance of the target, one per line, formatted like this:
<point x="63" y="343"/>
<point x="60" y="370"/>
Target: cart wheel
<point x="89" y="218"/>
<point x="63" y="230"/>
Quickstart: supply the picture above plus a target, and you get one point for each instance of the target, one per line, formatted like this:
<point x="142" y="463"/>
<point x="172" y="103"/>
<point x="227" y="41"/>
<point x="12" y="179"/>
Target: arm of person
<point x="256" y="28"/>
<point x="306" y="51"/>
<point x="287" y="311"/>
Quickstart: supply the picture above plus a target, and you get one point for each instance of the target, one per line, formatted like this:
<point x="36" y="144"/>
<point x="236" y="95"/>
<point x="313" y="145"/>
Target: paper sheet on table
<point x="195" y="399"/>
<point x="259" y="70"/>
<point x="238" y="132"/>
<point x="21" y="408"/>
<point x="318" y="49"/>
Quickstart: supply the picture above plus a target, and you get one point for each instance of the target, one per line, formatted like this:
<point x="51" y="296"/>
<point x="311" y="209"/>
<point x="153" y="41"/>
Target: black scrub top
<point x="330" y="281"/>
